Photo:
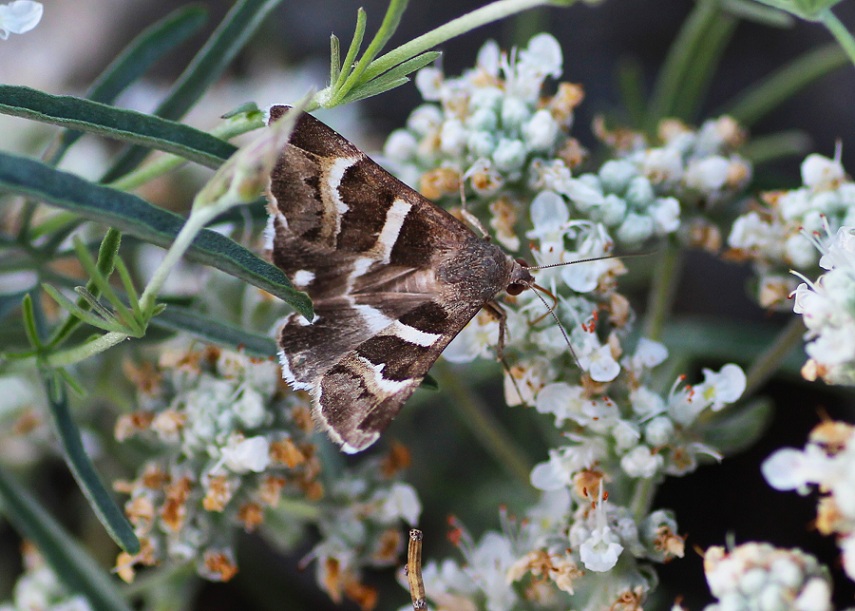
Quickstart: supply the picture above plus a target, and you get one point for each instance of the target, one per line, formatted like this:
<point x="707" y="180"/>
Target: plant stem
<point x="483" y="425"/>
<point x="662" y="291"/>
<point x="767" y="363"/>
<point x="84" y="351"/>
<point x="839" y="31"/>
<point x="195" y="223"/>
<point x="482" y="16"/>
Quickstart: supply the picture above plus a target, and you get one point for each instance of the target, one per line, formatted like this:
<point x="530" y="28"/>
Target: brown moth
<point x="393" y="278"/>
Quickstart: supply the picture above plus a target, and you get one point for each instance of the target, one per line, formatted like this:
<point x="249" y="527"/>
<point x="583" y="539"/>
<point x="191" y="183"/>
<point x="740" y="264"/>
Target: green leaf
<point x="135" y="216"/>
<point x="69" y="560"/>
<point x="375" y="87"/>
<point x="176" y="318"/>
<point x="108" y="512"/>
<point x="145" y="50"/>
<point x="352" y="50"/>
<point x="757" y="101"/>
<point x="335" y="59"/>
<point x="737" y="428"/>
<point x="207" y="66"/>
<point x="30" y="327"/>
<point x="100" y="318"/>
<point x="116" y="123"/>
<point x="697" y="81"/>
<point x="409" y="66"/>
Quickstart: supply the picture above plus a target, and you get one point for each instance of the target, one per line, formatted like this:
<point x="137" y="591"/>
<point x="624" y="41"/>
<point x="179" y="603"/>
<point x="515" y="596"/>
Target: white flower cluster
<point x="620" y="431"/>
<point x="230" y="444"/>
<point x="827" y="307"/>
<point x="828" y="463"/>
<point x="360" y="526"/>
<point x="781" y="234"/>
<point x="488" y="124"/>
<point x="640" y="194"/>
<point x="39" y="589"/>
<point x="760" y="576"/>
<point x="552" y="565"/>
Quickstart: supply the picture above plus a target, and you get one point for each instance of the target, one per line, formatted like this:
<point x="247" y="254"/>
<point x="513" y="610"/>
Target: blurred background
<point x="75" y="41"/>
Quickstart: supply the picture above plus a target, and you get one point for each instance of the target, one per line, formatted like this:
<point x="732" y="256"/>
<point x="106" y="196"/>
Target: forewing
<point x="365" y="247"/>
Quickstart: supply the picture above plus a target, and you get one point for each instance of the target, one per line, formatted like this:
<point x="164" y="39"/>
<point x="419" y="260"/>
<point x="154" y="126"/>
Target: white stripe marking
<point x="413" y="335"/>
<point x="303" y="278"/>
<point x="395" y="217"/>
<point x="388" y="386"/>
<point x="334" y="178"/>
<point x="373" y="318"/>
<point x="288" y="375"/>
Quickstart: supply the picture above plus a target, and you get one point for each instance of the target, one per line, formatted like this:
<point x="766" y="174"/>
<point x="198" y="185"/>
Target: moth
<point x="393" y="278"/>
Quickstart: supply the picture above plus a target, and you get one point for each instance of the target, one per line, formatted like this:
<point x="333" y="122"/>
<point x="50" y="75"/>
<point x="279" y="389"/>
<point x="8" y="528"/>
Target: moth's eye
<point x="522" y="262"/>
<point x="515" y="289"/>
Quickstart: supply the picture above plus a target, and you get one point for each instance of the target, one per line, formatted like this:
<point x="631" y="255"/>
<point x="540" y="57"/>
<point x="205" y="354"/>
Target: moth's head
<point x="521" y="279"/>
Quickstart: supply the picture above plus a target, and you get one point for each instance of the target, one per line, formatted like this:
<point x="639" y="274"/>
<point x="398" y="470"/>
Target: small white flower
<point x="583" y="194"/>
<point x="509" y="155"/>
<point x="599" y="553"/>
<point x="663" y="166"/>
<point x="541" y="131"/>
<point x="723" y="387"/>
<point x="424" y="120"/>
<point x="648" y="354"/>
<point x="666" y="215"/>
<point x="400" y="146"/>
<point x="453" y="137"/>
<point x="708" y="174"/>
<point x="476" y="340"/>
<point x="544" y="54"/>
<point x="19" y="17"/>
<point x="562" y="400"/>
<point x="251" y="409"/>
<point x="549" y="217"/>
<point x="488" y="58"/>
<point x="429" y="82"/>
<point x="252" y="454"/>
<point x="659" y="431"/>
<point x="402" y="502"/>
<point x="641" y="462"/>
<point x="616" y="174"/>
<point x="600" y="364"/>
<point x="515" y="112"/>
<point x="819" y="172"/>
<point x="635" y="229"/>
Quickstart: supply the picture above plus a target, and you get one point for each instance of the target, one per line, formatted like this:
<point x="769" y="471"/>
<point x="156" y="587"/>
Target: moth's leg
<point x="495" y="309"/>
<point x="469" y="217"/>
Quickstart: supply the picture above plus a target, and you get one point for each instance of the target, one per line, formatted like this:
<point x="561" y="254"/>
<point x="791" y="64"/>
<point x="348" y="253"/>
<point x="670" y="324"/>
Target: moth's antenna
<point x="590" y="260"/>
<point x="551" y="311"/>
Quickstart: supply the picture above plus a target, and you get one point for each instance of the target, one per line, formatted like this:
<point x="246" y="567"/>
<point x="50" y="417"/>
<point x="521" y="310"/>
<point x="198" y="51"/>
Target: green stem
<point x="483" y="425"/>
<point x="768" y="363"/>
<point x="839" y="31"/>
<point x="662" y="291"/>
<point x="642" y="498"/>
<point x="482" y="16"/>
<point x="84" y="351"/>
<point x="195" y="223"/>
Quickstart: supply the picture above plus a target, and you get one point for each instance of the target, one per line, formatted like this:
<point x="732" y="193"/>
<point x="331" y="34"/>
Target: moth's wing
<point x="336" y="214"/>
<point x="359" y="396"/>
<point x="365" y="247"/>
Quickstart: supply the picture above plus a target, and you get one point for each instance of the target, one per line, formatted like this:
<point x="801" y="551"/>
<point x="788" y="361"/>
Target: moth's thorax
<point x="477" y="271"/>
